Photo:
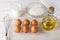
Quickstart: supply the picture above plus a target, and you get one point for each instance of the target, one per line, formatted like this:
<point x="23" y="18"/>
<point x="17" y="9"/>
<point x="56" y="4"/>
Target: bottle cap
<point x="51" y="9"/>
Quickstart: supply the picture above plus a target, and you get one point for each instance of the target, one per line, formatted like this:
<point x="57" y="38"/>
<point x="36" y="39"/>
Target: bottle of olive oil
<point x="49" y="22"/>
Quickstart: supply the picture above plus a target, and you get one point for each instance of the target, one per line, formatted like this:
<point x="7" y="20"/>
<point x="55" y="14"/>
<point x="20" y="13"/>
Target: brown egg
<point x="25" y="29"/>
<point x="17" y="29"/>
<point x="34" y="22"/>
<point x="18" y="22"/>
<point x="34" y="29"/>
<point x="26" y="22"/>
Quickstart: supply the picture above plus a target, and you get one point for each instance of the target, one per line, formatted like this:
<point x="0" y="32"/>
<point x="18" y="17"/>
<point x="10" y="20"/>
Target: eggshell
<point x="26" y="22"/>
<point x="33" y="29"/>
<point x="17" y="29"/>
<point x="34" y="22"/>
<point x="25" y="29"/>
<point x="18" y="22"/>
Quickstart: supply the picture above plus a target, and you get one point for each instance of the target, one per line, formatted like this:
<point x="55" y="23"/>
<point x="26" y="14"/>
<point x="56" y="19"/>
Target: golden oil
<point x="49" y="22"/>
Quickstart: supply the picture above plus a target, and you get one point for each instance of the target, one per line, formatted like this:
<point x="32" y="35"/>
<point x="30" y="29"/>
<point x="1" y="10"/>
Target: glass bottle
<point x="49" y="22"/>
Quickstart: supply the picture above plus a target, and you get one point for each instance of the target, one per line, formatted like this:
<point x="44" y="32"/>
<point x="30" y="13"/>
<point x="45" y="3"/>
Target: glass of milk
<point x="17" y="10"/>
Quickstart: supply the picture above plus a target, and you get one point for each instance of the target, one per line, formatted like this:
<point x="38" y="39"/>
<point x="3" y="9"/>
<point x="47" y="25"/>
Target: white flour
<point x="37" y="9"/>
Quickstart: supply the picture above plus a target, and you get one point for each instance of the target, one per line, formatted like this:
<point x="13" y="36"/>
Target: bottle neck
<point x="50" y="13"/>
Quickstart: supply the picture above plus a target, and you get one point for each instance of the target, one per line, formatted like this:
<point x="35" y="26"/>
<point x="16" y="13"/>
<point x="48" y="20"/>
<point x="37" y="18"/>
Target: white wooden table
<point x="6" y="5"/>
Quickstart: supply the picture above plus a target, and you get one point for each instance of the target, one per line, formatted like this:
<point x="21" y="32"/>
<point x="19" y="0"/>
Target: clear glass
<point x="17" y="10"/>
<point x="49" y="22"/>
<point x="36" y="11"/>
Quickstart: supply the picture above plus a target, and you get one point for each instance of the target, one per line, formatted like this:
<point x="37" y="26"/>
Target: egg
<point x="17" y="29"/>
<point x="25" y="29"/>
<point x="18" y="22"/>
<point x="34" y="22"/>
<point x="34" y="29"/>
<point x="26" y="22"/>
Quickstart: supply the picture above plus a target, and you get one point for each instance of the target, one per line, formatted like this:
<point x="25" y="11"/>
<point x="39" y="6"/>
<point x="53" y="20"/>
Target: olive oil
<point x="49" y="22"/>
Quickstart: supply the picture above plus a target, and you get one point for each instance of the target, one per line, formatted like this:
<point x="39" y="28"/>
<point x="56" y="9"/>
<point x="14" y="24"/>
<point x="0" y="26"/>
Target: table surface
<point x="7" y="5"/>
